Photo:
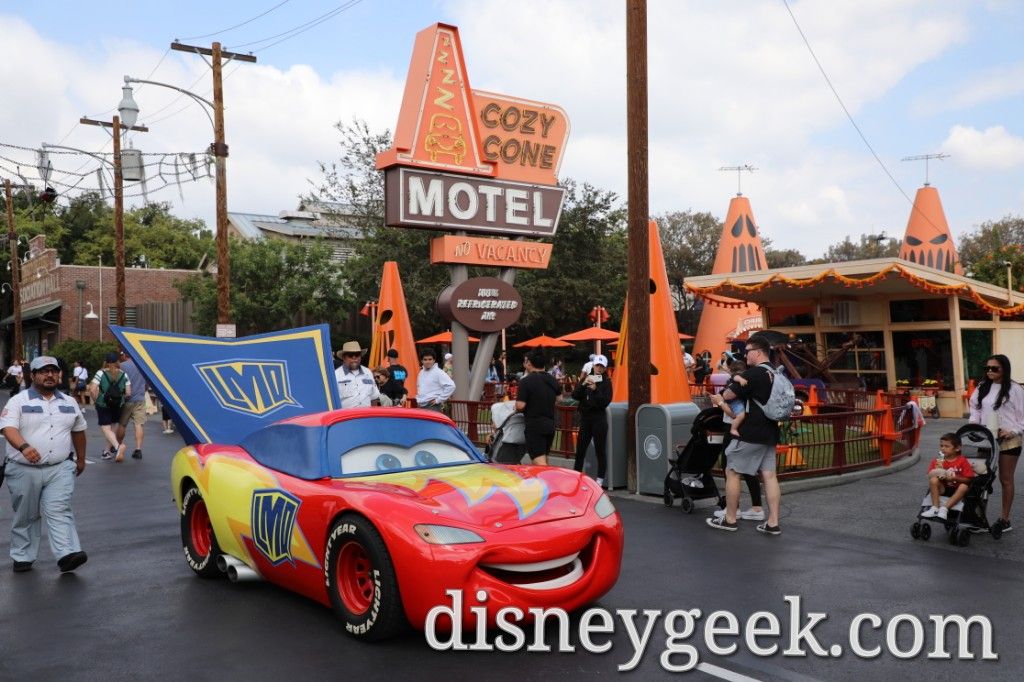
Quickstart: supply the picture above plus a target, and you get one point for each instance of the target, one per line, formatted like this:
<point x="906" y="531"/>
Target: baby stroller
<point x="689" y="477"/>
<point x="969" y="515"/>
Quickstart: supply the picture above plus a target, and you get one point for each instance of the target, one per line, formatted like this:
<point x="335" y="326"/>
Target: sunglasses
<point x="993" y="368"/>
<point x="351" y="355"/>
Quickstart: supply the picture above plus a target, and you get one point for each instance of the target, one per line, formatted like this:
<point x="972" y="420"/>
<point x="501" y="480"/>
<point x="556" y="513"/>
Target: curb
<point x="799" y="484"/>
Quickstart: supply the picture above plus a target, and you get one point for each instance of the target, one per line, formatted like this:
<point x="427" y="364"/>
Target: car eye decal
<point x="941" y="239"/>
<point x="913" y="241"/>
<point x="387" y="462"/>
<point x="425" y="458"/>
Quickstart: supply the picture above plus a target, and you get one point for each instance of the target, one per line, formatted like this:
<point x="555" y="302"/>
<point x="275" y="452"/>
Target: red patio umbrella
<point x="542" y="341"/>
<point x="591" y="334"/>
<point x="444" y="337"/>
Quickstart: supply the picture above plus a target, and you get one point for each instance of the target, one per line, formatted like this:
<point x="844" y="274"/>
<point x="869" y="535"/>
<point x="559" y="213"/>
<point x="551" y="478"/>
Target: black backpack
<point x="113" y="396"/>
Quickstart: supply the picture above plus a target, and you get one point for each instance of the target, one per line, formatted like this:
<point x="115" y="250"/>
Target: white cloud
<point x="994" y="148"/>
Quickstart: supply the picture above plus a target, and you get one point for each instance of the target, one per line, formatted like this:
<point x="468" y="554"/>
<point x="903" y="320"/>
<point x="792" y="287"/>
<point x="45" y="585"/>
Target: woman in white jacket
<point x="998" y="403"/>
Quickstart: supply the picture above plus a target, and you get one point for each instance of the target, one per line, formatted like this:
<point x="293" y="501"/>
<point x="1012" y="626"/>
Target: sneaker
<point x="745" y="514"/>
<point x="22" y="566"/>
<point x="930" y="513"/>
<point x="1003" y="525"/>
<point x="768" y="530"/>
<point x="943" y="513"/>
<point x="719" y="523"/>
<point x="168" y="432"/>
<point x="70" y="562"/>
<point x="107" y="455"/>
<point x="692" y="482"/>
<point x="137" y="454"/>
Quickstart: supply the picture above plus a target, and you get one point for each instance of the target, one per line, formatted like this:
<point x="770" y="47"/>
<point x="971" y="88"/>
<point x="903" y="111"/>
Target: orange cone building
<point x="739" y="250"/>
<point x="668" y="373"/>
<point x="928" y="240"/>
<point x="393" y="329"/>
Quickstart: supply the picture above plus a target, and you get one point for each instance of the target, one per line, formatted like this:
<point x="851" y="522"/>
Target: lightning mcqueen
<point x="377" y="512"/>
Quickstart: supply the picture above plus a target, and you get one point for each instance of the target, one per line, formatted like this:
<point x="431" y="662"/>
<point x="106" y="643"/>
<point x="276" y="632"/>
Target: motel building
<point x="923" y="325"/>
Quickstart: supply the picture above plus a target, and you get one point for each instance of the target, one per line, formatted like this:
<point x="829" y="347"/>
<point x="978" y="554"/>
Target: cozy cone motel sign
<point x="466" y="160"/>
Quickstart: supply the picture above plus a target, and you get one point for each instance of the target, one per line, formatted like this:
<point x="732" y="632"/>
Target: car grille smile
<point x="540" y="575"/>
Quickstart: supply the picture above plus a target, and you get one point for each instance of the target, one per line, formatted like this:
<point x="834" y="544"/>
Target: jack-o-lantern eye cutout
<point x="913" y="241"/>
<point x="941" y="239"/>
<point x="737" y="227"/>
<point x="751" y="230"/>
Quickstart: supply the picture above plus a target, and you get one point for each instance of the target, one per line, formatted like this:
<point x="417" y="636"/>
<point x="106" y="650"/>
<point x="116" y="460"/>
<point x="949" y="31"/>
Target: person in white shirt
<point x="14" y="372"/>
<point x="998" y="404"/>
<point x="433" y="385"/>
<point x="356" y="385"/>
<point x="79" y="381"/>
<point x="45" y="433"/>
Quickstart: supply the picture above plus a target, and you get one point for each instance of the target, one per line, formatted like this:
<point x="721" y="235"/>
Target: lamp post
<point x="128" y="114"/>
<point x="220" y="152"/>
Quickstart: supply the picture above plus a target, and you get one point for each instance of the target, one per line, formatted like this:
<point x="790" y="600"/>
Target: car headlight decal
<point x="604" y="507"/>
<point x="446" y="535"/>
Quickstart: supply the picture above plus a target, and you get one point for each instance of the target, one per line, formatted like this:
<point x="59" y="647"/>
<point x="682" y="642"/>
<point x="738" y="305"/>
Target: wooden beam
<point x="109" y="124"/>
<point x="181" y="47"/>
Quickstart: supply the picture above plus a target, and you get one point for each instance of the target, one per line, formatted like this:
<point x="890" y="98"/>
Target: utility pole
<point x="638" y="332"/>
<point x="12" y="239"/>
<point x="220" y="153"/>
<point x="116" y="128"/>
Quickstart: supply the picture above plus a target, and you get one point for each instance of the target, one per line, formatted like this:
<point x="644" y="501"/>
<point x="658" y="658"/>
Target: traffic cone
<point x="812" y="399"/>
<point x="870" y="425"/>
<point x="393" y="329"/>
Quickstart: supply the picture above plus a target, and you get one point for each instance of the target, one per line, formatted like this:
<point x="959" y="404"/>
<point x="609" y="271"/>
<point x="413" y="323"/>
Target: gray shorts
<point x="749" y="458"/>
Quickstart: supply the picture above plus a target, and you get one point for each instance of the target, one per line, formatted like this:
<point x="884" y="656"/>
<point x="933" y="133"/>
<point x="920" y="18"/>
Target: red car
<point x="378" y="512"/>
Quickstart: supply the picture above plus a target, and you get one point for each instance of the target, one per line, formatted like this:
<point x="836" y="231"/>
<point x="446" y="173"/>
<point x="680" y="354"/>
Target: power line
<point x="301" y="28"/>
<point x="849" y="116"/>
<point x="232" y="28"/>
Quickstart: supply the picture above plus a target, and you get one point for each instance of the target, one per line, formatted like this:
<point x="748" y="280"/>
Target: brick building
<point x="56" y="298"/>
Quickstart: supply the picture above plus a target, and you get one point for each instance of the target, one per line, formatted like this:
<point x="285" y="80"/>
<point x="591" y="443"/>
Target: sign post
<point x="467" y="161"/>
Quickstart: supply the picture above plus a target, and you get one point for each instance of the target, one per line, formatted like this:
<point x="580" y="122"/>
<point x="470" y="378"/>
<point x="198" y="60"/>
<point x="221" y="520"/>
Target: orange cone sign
<point x="393" y="329"/>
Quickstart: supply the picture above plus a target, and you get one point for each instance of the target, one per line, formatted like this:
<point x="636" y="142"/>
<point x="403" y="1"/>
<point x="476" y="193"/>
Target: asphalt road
<point x="135" y="610"/>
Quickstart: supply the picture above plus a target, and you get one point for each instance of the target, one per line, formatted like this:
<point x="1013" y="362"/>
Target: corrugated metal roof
<point x="256" y="226"/>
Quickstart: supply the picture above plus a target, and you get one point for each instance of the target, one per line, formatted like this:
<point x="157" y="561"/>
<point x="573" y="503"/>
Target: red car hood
<point x="488" y="496"/>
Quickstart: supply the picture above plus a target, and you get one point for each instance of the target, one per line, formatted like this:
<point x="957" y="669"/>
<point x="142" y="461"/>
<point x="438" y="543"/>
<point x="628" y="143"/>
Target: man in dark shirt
<point x="754" y="450"/>
<point x="397" y="374"/>
<point x="536" y="400"/>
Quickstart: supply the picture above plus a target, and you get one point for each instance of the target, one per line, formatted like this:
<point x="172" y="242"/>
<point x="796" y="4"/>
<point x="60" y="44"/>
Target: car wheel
<point x="361" y="580"/>
<point x="197" y="538"/>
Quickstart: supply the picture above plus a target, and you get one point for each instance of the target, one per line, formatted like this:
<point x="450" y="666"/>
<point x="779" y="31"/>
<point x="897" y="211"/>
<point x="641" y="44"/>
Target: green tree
<point x="783" y="258"/>
<point x="353" y="179"/>
<point x="274" y="285"/>
<point x="868" y="246"/>
<point x="984" y="250"/>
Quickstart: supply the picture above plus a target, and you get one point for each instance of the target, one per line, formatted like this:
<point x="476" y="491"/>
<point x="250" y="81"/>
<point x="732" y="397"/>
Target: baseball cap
<point x="43" y="361"/>
<point x="113" y="357"/>
<point x="601" y="360"/>
<point x="447" y="356"/>
<point x="392" y="353"/>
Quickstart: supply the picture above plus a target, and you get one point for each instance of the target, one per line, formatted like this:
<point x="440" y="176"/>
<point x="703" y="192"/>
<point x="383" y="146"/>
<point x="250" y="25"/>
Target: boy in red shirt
<point x="948" y="475"/>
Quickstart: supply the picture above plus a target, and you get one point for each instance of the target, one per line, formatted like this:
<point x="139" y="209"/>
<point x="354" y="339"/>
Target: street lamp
<point x="91" y="315"/>
<point x="219" y="148"/>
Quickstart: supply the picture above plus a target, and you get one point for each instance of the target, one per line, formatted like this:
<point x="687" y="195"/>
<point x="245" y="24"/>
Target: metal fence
<point x="833" y="441"/>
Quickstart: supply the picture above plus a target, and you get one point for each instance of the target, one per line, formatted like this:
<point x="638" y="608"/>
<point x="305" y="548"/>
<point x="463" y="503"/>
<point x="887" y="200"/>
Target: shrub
<point x="89" y="353"/>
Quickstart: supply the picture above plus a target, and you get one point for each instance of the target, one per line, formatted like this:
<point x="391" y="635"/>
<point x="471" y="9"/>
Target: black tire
<point x="669" y="499"/>
<point x="687" y="505"/>
<point x="963" y="537"/>
<point x="361" y="580"/>
<point x="926" y="531"/>
<point x="915" y="530"/>
<point x="197" y="537"/>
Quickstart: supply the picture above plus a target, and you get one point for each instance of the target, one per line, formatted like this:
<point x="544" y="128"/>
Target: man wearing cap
<point x="356" y="385"/>
<point x="108" y="382"/>
<point x="433" y="385"/>
<point x="397" y="374"/>
<point x="594" y="394"/>
<point x="45" y="433"/>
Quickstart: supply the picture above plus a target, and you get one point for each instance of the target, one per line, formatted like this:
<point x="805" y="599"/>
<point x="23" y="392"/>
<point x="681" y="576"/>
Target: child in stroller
<point x="959" y="481"/>
<point x="689" y="476"/>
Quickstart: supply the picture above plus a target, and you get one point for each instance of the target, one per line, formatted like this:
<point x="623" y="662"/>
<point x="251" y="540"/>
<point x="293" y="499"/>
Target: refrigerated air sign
<point x="483" y="304"/>
<point x="470" y="160"/>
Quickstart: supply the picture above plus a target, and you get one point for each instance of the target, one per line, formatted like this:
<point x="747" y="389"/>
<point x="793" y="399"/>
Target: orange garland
<point x="964" y="290"/>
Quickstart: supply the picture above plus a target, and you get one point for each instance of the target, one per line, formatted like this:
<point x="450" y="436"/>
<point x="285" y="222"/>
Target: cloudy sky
<point x="731" y="82"/>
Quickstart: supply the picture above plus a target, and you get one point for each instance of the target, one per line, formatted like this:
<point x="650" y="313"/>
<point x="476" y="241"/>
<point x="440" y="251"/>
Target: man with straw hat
<point x="355" y="381"/>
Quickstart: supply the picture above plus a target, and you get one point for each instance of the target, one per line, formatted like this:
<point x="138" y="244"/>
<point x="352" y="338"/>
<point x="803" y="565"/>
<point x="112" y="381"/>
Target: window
<point x="131" y="316"/>
<point x="791" y="316"/>
<point x="922" y="355"/>
<point x="977" y="348"/>
<point x="969" y="310"/>
<point x="862" y="364"/>
<point x="919" y="310"/>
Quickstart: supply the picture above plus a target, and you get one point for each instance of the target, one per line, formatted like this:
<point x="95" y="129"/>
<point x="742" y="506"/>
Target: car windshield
<point x="381" y="458"/>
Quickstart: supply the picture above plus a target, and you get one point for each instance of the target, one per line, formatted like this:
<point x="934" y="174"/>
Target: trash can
<point x="659" y="428"/>
<point x="615" y="472"/>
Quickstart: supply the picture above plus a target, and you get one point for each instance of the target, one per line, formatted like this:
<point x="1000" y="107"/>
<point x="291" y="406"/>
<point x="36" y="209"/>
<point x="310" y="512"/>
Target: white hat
<point x="592" y="356"/>
<point x="447" y="356"/>
<point x="601" y="360"/>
